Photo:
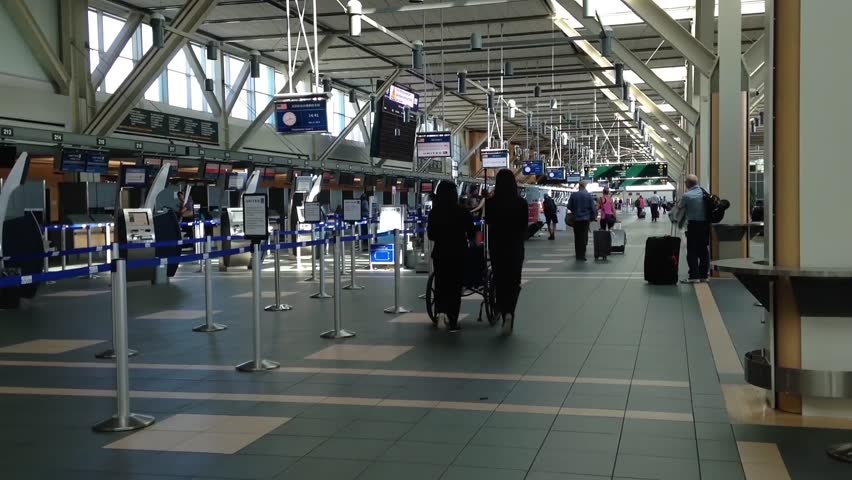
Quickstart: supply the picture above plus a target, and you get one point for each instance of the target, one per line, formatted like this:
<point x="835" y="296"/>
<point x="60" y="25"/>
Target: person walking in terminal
<point x="693" y="210"/>
<point x="654" y="203"/>
<point x="506" y="215"/>
<point x="607" y="208"/>
<point x="582" y="207"/>
<point x="450" y="227"/>
<point x="550" y="215"/>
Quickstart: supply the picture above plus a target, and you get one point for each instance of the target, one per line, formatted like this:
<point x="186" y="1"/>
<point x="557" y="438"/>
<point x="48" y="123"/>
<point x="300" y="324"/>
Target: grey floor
<point x="639" y="353"/>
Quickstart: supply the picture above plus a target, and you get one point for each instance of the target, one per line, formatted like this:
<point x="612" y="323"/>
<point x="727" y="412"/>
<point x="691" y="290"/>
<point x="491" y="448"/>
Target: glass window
<point x="177" y="89"/>
<point x="153" y="92"/>
<point x="280" y="81"/>
<point x="94" y="43"/>
<point x="241" y="108"/>
<point x="112" y="26"/>
<point x="147" y="38"/>
<point x="178" y="62"/>
<point x="196" y="95"/>
<point x="117" y="74"/>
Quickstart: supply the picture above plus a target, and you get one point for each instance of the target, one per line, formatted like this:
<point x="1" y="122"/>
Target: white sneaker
<point x="508" y="324"/>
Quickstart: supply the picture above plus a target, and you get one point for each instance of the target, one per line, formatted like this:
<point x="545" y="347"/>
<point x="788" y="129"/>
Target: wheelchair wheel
<point x="430" y="298"/>
<point x="490" y="299"/>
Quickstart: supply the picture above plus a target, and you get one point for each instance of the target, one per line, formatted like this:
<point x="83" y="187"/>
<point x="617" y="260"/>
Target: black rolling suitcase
<point x="534" y="228"/>
<point x="662" y="257"/>
<point x="602" y="243"/>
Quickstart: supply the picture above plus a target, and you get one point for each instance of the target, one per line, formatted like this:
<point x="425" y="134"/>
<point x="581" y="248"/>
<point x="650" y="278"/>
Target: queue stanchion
<point x="110" y="353"/>
<point x="313" y="256"/>
<point x="353" y="285"/>
<point x="198" y="232"/>
<point x="62" y="247"/>
<point x="107" y="234"/>
<point x="277" y="306"/>
<point x="337" y="331"/>
<point x="258" y="364"/>
<point x="396" y="308"/>
<point x="46" y="259"/>
<point x="123" y="420"/>
<point x="89" y="255"/>
<point x="322" y="293"/>
<point x="209" y="326"/>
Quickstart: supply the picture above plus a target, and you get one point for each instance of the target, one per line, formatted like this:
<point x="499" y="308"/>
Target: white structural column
<point x="730" y="145"/>
<point x="705" y="31"/>
<point x="824" y="171"/>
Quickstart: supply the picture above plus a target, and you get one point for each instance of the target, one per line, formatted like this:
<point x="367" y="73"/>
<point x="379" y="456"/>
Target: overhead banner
<point x="533" y="168"/>
<point x="301" y="114"/>
<point x="495" y="158"/>
<point x="434" y="145"/>
<point x="574" y="177"/>
<point x="167" y="125"/>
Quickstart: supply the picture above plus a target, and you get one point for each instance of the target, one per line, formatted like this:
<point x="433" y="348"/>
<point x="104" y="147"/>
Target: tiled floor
<point x="605" y="378"/>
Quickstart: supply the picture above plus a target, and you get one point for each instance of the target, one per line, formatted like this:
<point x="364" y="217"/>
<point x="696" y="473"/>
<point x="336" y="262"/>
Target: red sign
<point x="532" y="217"/>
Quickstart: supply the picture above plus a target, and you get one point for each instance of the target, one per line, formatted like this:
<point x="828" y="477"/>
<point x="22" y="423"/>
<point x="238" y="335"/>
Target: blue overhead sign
<point x="97" y="162"/>
<point x="301" y="115"/>
<point x="556" y="173"/>
<point x="533" y="168"/>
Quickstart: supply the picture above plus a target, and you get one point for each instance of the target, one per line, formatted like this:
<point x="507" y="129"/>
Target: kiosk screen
<point x="138" y="219"/>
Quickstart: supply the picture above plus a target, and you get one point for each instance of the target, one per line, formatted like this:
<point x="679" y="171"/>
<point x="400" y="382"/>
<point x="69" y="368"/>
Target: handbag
<point x="569" y="219"/>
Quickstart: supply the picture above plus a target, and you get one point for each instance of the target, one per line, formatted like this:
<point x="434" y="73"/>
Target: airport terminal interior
<point x="215" y="263"/>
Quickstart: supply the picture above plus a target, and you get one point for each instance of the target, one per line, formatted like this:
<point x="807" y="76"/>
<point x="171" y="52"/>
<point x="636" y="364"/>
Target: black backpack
<point x="715" y="207"/>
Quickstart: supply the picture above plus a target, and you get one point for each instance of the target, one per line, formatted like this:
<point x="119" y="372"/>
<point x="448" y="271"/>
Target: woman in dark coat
<point x="506" y="215"/>
<point x="450" y="229"/>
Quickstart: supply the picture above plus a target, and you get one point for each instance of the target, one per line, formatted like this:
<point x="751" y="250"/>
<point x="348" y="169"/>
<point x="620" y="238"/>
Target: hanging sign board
<point x="574" y="177"/>
<point x="533" y="168"/>
<point x="303" y="183"/>
<point x="352" y="210"/>
<point x="495" y="158"/>
<point x="556" y="174"/>
<point x="301" y="113"/>
<point x="159" y="124"/>
<point x="255" y="216"/>
<point x="312" y="212"/>
<point x="434" y="145"/>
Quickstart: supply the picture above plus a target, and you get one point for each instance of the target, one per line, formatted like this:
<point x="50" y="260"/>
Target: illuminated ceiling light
<point x="158" y="30"/>
<point x="513" y="108"/>
<point x="355" y="9"/>
<point x="475" y="42"/>
<point x="554" y="104"/>
<point x="417" y="55"/>
<point x="462" y="82"/>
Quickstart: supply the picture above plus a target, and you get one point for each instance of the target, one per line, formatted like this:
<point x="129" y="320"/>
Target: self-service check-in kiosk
<point x="232" y="224"/>
<point x="136" y="225"/>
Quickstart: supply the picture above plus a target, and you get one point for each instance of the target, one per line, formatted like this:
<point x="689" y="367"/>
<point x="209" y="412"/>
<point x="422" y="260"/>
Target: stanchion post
<point x="89" y="255"/>
<point x="46" y="243"/>
<point x="322" y="293"/>
<point x="313" y="256"/>
<point x="337" y="331"/>
<point x="107" y="234"/>
<point x="123" y="420"/>
<point x="109" y="353"/>
<point x="209" y="326"/>
<point x="353" y="285"/>
<point x="258" y="364"/>
<point x="277" y="306"/>
<point x="396" y="308"/>
<point x="62" y="247"/>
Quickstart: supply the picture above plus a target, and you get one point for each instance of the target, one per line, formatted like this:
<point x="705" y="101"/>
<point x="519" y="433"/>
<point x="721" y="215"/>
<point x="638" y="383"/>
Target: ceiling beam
<point x="237" y="87"/>
<point x="674" y="33"/>
<point x="111" y="55"/>
<point x="38" y="43"/>
<point x="200" y="77"/>
<point x="755" y="57"/>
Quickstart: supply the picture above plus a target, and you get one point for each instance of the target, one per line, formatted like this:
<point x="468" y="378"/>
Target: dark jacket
<point x="450" y="228"/>
<point x="507" y="224"/>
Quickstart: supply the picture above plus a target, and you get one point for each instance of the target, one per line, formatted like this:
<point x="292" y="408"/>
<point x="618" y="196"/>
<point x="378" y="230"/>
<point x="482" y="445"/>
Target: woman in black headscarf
<point x="506" y="215"/>
<point x="451" y="229"/>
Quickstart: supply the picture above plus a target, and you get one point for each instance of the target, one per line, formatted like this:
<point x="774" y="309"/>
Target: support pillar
<point x="705" y="31"/>
<point x="729" y="111"/>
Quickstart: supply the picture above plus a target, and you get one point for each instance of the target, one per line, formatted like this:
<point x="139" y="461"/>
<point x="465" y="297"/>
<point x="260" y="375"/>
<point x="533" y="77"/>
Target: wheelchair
<point x="478" y="280"/>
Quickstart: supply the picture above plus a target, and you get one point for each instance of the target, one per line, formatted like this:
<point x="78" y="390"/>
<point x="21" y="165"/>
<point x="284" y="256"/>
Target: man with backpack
<point x="550" y="218"/>
<point x="693" y="205"/>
